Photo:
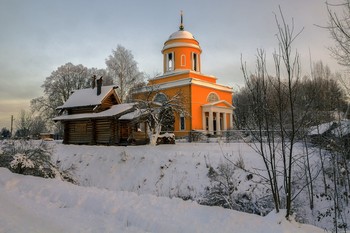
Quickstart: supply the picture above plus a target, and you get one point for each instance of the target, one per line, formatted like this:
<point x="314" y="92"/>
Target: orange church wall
<point x="199" y="98"/>
<point x="186" y="93"/>
<point x="186" y="50"/>
<point x="194" y="97"/>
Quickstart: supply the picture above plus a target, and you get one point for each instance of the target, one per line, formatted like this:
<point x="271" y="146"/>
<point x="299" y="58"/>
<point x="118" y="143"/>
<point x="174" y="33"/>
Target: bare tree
<point x="29" y="125"/>
<point x="23" y="124"/>
<point x="123" y="68"/>
<point x="160" y="110"/>
<point x="262" y="123"/>
<point x="339" y="28"/>
<point x="276" y="119"/>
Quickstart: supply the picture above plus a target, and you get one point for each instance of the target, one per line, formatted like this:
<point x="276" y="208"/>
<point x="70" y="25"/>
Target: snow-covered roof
<point x="87" y="97"/>
<point x="181" y="35"/>
<point x="320" y="129"/>
<point x="338" y="129"/>
<point x="132" y="115"/>
<point x="343" y="128"/>
<point x="113" y="111"/>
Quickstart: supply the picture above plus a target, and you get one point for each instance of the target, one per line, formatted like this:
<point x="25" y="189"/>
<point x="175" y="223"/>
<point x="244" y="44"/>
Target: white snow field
<point x="129" y="189"/>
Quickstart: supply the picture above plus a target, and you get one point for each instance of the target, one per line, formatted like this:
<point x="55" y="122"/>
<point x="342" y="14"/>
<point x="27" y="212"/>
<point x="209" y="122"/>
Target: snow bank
<point x="31" y="204"/>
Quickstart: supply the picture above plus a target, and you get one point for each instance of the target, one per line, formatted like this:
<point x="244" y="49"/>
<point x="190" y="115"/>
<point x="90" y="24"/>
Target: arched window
<point x="213" y="97"/>
<point x="182" y="122"/>
<point x="170" y="61"/>
<point x="160" y="98"/>
<point x="195" y="62"/>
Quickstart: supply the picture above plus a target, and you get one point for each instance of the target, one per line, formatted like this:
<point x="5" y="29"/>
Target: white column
<point x="224" y="118"/>
<point x="210" y="122"/>
<point x="230" y="121"/>
<point x="218" y="123"/>
<point x="203" y="120"/>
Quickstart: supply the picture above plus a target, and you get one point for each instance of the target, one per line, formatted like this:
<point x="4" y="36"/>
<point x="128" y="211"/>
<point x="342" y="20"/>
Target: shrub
<point x="29" y="157"/>
<point x="224" y="190"/>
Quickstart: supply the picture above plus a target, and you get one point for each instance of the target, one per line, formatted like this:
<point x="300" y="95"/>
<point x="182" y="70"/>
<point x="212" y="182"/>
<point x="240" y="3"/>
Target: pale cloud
<point x="38" y="36"/>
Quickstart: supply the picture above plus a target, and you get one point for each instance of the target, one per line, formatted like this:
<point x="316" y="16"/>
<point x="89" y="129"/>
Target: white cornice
<point x="184" y="82"/>
<point x="181" y="44"/>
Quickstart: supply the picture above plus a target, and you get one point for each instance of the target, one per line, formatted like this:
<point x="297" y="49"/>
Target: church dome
<point x="181" y="51"/>
<point x="181" y="35"/>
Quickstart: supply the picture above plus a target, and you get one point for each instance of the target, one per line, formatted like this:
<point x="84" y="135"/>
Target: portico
<point x="217" y="117"/>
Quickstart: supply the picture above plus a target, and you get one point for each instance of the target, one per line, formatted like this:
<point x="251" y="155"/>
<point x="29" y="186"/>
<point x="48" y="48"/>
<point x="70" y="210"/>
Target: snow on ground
<point x="166" y="170"/>
<point x="31" y="204"/>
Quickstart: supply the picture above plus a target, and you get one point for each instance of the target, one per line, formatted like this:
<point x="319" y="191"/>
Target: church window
<point x="195" y="61"/>
<point x="182" y="122"/>
<point x="160" y="98"/>
<point x="183" y="60"/>
<point x="170" y="61"/>
<point x="213" y="97"/>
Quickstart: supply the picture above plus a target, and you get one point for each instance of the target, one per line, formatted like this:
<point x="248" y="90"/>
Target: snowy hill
<point x="134" y="189"/>
<point x="30" y="204"/>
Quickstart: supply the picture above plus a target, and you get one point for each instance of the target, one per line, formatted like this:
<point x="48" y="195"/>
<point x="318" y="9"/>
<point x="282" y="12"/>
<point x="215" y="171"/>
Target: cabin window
<point x="140" y="127"/>
<point x="170" y="61"/>
<point x="182" y="122"/>
<point x="183" y="60"/>
<point x="143" y="127"/>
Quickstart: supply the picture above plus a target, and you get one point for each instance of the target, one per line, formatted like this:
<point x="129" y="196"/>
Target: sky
<point x="38" y="36"/>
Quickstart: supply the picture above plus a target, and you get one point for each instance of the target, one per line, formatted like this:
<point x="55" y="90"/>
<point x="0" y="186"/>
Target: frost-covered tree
<point x="107" y="78"/>
<point x="123" y="68"/>
<point x="59" y="86"/>
<point x="29" y="125"/>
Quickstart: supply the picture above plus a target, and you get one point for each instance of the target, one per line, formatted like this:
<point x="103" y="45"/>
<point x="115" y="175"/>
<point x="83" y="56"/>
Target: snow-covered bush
<point x="233" y="188"/>
<point x="30" y="157"/>
<point x="21" y="162"/>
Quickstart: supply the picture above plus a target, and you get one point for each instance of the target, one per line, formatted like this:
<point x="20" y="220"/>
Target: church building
<point x="208" y="104"/>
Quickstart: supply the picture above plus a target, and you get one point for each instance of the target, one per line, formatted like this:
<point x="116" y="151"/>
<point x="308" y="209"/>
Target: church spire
<point x="181" y="24"/>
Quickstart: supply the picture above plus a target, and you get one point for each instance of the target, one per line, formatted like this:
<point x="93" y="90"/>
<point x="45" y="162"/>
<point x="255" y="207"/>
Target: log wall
<point x="79" y="132"/>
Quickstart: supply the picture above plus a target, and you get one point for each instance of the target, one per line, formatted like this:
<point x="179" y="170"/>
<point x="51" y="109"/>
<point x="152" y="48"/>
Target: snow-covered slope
<point x="167" y="170"/>
<point x="30" y="204"/>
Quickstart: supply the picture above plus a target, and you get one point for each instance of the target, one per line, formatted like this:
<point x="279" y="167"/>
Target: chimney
<point x="93" y="83"/>
<point x="99" y="85"/>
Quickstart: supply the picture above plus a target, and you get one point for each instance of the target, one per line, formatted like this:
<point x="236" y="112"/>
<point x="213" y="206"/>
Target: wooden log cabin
<point x="96" y="116"/>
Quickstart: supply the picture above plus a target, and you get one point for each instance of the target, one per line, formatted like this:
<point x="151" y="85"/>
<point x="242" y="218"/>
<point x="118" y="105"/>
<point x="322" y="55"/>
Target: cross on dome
<point x="181" y="24"/>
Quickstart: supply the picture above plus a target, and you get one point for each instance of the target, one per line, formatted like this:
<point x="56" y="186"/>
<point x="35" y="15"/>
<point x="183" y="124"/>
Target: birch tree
<point x="123" y="68"/>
